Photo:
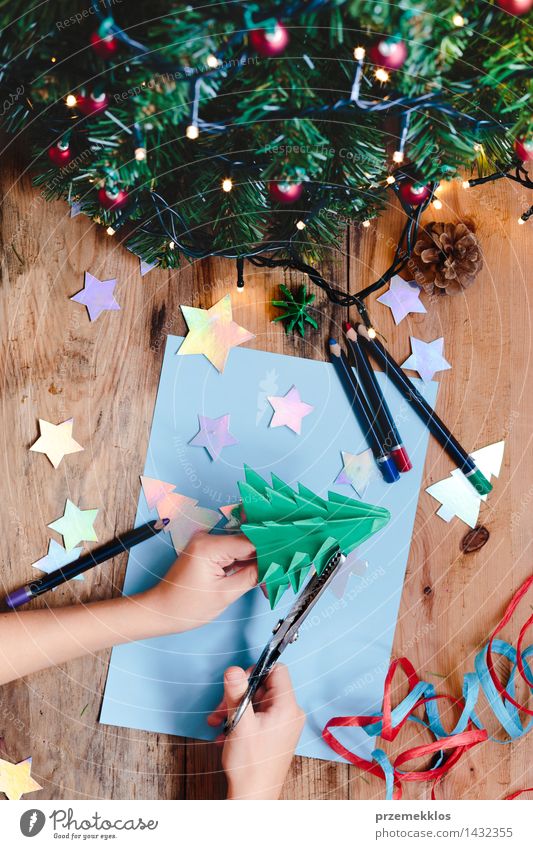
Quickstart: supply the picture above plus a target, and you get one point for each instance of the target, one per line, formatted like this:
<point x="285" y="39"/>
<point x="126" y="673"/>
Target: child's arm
<point x="195" y="590"/>
<point x="258" y="752"/>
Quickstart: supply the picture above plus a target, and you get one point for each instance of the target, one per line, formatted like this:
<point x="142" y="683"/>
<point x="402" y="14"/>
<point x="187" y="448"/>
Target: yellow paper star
<point x="16" y="780"/>
<point x="55" y="441"/>
<point x="213" y="332"/>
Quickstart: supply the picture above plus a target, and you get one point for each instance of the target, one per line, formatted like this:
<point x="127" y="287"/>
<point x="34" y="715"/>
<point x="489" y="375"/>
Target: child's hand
<point x="197" y="588"/>
<point x="258" y="752"/>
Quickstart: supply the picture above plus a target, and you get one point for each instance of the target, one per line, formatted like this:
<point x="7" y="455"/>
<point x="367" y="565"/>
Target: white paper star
<point x="427" y="358"/>
<point x="56" y="441"/>
<point x="402" y="298"/>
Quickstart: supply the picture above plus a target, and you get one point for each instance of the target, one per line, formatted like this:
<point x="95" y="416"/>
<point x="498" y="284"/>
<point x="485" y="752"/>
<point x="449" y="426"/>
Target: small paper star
<point x="402" y="298"/>
<point x="289" y="410"/>
<point x="147" y="266"/>
<point x="213" y="435"/>
<point x="75" y="525"/>
<point x="75" y="208"/>
<point x="357" y="471"/>
<point x="155" y="490"/>
<point x="213" y="332"/>
<point x="189" y="521"/>
<point x="56" y="441"/>
<point x="56" y="558"/>
<point x="427" y="358"/>
<point x="16" y="780"/>
<point x="97" y="296"/>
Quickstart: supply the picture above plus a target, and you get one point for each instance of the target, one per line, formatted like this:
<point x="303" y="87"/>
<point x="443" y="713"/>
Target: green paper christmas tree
<point x="296" y="308"/>
<point x="294" y="530"/>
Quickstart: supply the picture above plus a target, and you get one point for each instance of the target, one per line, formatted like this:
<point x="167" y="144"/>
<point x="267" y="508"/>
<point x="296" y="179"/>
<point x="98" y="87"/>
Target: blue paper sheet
<point x="338" y="665"/>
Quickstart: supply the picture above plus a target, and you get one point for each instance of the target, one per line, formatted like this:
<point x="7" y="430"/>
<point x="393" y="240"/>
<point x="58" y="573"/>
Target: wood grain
<point x="55" y="364"/>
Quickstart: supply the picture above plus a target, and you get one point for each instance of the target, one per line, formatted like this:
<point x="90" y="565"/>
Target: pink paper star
<point x="289" y="410"/>
<point x="402" y="298"/>
<point x="97" y="296"/>
<point x="213" y="435"/>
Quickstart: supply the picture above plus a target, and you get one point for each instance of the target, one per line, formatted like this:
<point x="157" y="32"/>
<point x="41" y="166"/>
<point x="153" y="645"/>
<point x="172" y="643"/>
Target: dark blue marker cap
<point x="388" y="469"/>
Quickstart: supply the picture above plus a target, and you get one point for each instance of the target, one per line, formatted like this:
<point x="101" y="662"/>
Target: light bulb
<point x="192" y="132"/>
<point x="71" y="100"/>
<point x="366" y="223"/>
<point x="466" y="184"/>
<point x="140" y="154"/>
<point x="53" y="59"/>
<point x="458" y="21"/>
<point x="240" y="287"/>
<point x="212" y="61"/>
<point x="382" y="75"/>
<point x="397" y="156"/>
<point x="521" y="220"/>
<point x="227" y="184"/>
<point x="359" y="53"/>
<point x="478" y="147"/>
<point x="390" y="180"/>
<point x="171" y="246"/>
<point x="300" y="225"/>
<point x="111" y="231"/>
<point x="437" y="203"/>
<point x="371" y="333"/>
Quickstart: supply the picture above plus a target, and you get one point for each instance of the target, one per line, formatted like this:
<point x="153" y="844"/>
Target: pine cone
<point x="448" y="257"/>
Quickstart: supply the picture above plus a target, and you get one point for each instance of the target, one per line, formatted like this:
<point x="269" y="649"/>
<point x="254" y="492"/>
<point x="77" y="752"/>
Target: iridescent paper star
<point x="189" y="521"/>
<point x="56" y="558"/>
<point x="213" y="435"/>
<point x="75" y="208"/>
<point x="75" y="525"/>
<point x="357" y="471"/>
<point x="426" y="358"/>
<point x="16" y="780"/>
<point x="402" y="298"/>
<point x="174" y="505"/>
<point x="213" y="332"/>
<point x="56" y="441"/>
<point x="97" y="296"/>
<point x="289" y="410"/>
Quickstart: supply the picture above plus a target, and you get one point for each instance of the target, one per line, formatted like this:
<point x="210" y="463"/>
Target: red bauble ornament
<point x="269" y="43"/>
<point x="414" y="193"/>
<point x="60" y="154"/>
<point x="388" y="53"/>
<point x="285" y="192"/>
<point x="112" y="200"/>
<point x="105" y="47"/>
<point x="89" y="104"/>
<point x="515" y="7"/>
<point x="524" y="149"/>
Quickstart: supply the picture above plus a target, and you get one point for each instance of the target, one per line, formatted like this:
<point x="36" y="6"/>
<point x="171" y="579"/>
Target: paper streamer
<point x="447" y="747"/>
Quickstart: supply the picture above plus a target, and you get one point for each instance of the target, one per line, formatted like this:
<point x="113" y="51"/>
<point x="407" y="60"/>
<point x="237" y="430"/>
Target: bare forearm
<point x="35" y="639"/>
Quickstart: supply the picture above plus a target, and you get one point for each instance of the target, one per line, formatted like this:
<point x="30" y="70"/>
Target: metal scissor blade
<point x="286" y="632"/>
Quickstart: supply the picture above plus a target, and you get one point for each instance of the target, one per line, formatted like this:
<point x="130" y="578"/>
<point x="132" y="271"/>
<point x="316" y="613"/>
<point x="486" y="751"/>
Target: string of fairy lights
<point x="170" y="222"/>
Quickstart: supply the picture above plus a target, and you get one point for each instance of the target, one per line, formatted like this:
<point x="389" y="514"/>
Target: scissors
<point x="286" y="632"/>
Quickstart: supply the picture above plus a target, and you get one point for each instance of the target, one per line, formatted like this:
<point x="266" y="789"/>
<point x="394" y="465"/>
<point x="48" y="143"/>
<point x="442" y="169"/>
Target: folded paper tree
<point x="293" y="531"/>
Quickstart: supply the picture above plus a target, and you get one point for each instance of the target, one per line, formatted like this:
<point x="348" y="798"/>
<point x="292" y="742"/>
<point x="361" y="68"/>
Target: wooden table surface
<point x="57" y="365"/>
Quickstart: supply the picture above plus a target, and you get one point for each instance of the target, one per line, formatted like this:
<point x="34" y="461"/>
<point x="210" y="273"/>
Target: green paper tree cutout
<point x="296" y="308"/>
<point x="295" y="530"/>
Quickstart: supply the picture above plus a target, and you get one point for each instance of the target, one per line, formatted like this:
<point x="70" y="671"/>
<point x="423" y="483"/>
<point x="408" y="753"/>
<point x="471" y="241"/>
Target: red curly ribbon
<point x="449" y="748"/>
